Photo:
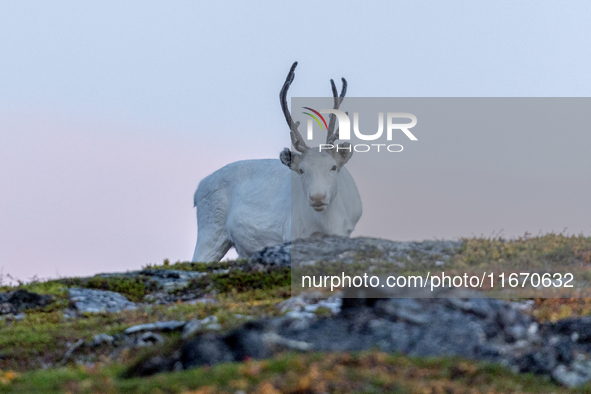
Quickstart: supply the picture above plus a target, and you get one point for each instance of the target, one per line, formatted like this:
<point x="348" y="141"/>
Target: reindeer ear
<point x="290" y="159"/>
<point x="342" y="153"/>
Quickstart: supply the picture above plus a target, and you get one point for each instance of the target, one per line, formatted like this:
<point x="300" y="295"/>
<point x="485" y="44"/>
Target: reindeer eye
<point x="334" y="168"/>
<point x="301" y="171"/>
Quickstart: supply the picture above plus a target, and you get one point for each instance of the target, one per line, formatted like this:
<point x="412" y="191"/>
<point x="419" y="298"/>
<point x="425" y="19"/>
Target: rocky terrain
<point x="186" y="316"/>
<point x="351" y="250"/>
<point x="473" y="328"/>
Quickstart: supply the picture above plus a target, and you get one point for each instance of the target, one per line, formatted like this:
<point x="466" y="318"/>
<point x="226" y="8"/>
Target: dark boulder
<point x="19" y="300"/>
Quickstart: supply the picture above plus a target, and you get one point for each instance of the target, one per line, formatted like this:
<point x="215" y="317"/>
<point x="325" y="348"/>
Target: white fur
<point x="250" y="204"/>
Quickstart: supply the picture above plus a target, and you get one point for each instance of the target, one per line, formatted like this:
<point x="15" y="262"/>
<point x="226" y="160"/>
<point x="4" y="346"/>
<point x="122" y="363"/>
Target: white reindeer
<point x="250" y="204"/>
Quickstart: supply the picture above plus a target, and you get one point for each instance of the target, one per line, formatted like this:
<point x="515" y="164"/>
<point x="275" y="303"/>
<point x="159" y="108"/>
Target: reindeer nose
<point x="317" y="199"/>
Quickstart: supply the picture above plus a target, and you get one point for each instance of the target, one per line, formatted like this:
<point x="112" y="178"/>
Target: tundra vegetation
<point x="38" y="352"/>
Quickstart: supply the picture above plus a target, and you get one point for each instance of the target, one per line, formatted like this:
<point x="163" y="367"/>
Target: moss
<point x="297" y="373"/>
<point x="241" y="281"/>
<point x="562" y="254"/>
<point x="549" y="249"/>
<point x="199" y="267"/>
<point x="323" y="312"/>
<point x="134" y="288"/>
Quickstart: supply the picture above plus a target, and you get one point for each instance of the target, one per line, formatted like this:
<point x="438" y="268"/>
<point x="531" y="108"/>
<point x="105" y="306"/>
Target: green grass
<point x="199" y="267"/>
<point x="241" y="281"/>
<point x="546" y="251"/>
<point x="298" y="373"/>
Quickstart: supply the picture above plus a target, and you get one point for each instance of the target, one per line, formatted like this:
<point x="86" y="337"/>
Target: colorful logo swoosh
<point x="315" y="118"/>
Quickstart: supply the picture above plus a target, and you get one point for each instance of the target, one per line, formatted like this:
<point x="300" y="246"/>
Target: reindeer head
<point x="317" y="169"/>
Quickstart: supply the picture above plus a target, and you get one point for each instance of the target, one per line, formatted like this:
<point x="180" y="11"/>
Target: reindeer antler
<point x="332" y="136"/>
<point x="296" y="138"/>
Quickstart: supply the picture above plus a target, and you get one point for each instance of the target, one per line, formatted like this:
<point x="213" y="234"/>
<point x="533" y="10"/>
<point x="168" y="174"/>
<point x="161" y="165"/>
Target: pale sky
<point x="112" y="112"/>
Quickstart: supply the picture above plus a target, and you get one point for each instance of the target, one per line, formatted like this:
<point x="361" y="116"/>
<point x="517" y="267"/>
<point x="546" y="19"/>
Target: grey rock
<point x="278" y="255"/>
<point x="300" y="315"/>
<point x="274" y="340"/>
<point x="171" y="325"/>
<point x="165" y="279"/>
<point x="576" y="374"/>
<point x="190" y="296"/>
<point x="69" y="313"/>
<point x="98" y="301"/>
<point x="569" y="377"/>
<point x="72" y="348"/>
<point x="474" y="328"/>
<point x="6" y="308"/>
<point x="334" y="248"/>
<point x="297" y="304"/>
<point x="148" y="339"/>
<point x="202" y="300"/>
<point x="100" y="339"/>
<point x="13" y="317"/>
<point x="207" y="323"/>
